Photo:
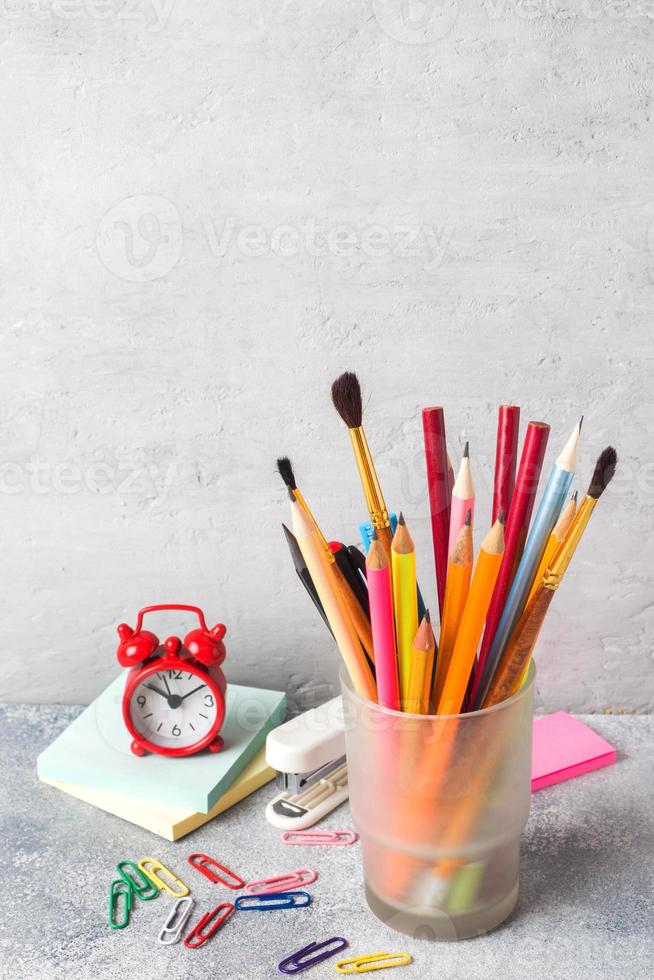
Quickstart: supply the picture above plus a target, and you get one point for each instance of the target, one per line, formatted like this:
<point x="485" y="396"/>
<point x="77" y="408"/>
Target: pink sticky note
<point x="563" y="747"/>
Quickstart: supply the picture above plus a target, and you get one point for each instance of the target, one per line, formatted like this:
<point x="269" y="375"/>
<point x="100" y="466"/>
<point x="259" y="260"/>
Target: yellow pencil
<point x="556" y="537"/>
<point x="456" y="593"/>
<point x="422" y="661"/>
<point x="405" y="600"/>
<point x="472" y="622"/>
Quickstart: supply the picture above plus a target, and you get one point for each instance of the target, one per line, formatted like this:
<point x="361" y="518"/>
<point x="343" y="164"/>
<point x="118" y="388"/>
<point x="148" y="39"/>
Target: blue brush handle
<point x="548" y="513"/>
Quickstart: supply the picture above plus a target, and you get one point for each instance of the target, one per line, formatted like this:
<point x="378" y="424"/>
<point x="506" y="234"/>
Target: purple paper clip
<point x="304" y="958"/>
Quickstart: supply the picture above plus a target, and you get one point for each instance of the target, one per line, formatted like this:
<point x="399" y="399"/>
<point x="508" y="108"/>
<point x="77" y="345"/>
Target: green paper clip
<point x="141" y="885"/>
<point x="117" y="888"/>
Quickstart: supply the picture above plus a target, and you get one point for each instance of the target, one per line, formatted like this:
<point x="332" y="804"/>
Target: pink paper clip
<point x="320" y="838"/>
<point x="203" y="863"/>
<point x="282" y="883"/>
<point x="197" y="937"/>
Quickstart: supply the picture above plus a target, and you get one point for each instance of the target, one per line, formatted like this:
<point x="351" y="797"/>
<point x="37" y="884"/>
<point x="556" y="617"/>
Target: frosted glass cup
<point x="439" y="803"/>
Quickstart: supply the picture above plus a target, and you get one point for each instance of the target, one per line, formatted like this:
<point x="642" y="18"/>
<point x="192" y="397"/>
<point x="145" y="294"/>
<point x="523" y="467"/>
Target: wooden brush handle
<point x="358" y="617"/>
<point x="518" y="650"/>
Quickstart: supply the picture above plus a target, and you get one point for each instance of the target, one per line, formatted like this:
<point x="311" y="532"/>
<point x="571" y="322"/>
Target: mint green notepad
<point x="95" y="751"/>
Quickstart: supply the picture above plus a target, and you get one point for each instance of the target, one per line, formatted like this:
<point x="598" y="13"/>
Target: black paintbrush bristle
<point x="286" y="472"/>
<point x="603" y="473"/>
<point x="346" y="396"/>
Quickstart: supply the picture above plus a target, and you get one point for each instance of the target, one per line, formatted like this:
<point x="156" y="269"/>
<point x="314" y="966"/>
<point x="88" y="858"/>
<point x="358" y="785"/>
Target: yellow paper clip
<point x="151" y="868"/>
<point x="374" y="961"/>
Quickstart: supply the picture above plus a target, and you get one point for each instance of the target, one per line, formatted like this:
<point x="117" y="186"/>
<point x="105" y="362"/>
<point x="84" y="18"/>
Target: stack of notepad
<point x="92" y="761"/>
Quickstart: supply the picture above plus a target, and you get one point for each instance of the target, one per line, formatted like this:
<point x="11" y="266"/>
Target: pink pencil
<point x="463" y="499"/>
<point x="380" y="596"/>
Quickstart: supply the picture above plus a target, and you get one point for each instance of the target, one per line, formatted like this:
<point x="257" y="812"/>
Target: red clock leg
<point x="217" y="744"/>
<point x="138" y="749"/>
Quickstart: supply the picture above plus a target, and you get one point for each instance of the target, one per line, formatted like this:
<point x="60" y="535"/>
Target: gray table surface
<point x="585" y="907"/>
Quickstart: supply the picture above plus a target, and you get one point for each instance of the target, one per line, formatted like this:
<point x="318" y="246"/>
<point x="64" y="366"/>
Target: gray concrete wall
<point x="210" y="210"/>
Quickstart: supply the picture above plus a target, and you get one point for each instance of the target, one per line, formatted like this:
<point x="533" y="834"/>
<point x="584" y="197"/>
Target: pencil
<point x="556" y="537"/>
<point x="547" y="514"/>
<point x="456" y="593"/>
<point x="356" y="613"/>
<point x="517" y="524"/>
<point x="463" y="500"/>
<point x="405" y="599"/>
<point x="440" y="492"/>
<point x="523" y="639"/>
<point x="506" y="457"/>
<point x="303" y="573"/>
<point x="383" y="627"/>
<point x="346" y="396"/>
<point x="472" y="622"/>
<point x="332" y="602"/>
<point x="422" y="660"/>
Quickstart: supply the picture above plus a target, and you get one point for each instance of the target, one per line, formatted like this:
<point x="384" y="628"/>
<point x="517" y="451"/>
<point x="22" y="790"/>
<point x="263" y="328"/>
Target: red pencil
<point x="440" y="492"/>
<point x="517" y="525"/>
<point x="506" y="457"/>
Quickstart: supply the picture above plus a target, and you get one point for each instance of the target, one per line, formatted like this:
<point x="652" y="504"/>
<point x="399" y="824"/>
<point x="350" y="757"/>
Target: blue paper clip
<point x="312" y="954"/>
<point x="273" y="901"/>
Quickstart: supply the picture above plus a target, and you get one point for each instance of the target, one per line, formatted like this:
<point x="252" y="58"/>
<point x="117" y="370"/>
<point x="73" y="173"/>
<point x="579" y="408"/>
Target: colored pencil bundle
<point x="491" y="610"/>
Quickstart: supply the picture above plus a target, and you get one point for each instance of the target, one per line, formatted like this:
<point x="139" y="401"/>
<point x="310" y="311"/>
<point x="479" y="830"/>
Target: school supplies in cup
<point x="483" y="655"/>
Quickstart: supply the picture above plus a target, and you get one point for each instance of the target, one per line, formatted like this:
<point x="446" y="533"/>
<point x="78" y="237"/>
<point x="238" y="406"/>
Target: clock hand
<point x="166" y="683"/>
<point x="184" y="696"/>
<point x="157" y="690"/>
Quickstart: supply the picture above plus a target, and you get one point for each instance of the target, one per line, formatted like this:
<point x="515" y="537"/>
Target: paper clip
<point x="375" y="961"/>
<point x="282" y="883"/>
<point x="142" y="886"/>
<point x="174" y="924"/>
<point x="320" y="838"/>
<point x="272" y="902"/>
<point x="150" y="867"/>
<point x="197" y="937"/>
<point x="203" y="863"/>
<point x="303" y="958"/>
<point x="116" y="889"/>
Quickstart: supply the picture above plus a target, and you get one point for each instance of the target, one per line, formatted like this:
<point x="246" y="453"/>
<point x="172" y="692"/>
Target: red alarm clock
<point x="174" y="700"/>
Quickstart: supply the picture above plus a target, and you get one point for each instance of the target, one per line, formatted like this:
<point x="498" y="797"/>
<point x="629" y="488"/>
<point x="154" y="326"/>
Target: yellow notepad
<point x="170" y="822"/>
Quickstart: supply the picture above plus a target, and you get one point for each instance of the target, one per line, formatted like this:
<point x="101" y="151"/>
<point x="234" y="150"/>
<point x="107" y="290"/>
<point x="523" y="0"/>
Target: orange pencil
<point x="456" y="593"/>
<point x="472" y="621"/>
<point x="420" y="670"/>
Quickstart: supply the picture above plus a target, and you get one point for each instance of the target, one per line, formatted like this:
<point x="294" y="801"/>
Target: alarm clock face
<point x="175" y="709"/>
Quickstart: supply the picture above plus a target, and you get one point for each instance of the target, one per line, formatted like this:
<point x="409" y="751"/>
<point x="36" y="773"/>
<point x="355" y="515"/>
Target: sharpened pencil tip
<point x="401" y="520"/>
<point x="575" y="496"/>
<point x="581" y="422"/>
<point x="501" y="517"/>
<point x="466" y="450"/>
<point x="375" y="536"/>
<point x="427" y="616"/>
<point x="468" y="520"/>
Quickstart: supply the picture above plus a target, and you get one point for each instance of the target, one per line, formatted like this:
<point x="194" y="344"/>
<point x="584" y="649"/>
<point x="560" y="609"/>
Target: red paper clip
<point x="282" y="883"/>
<point x="203" y="863"/>
<point x="320" y="838"/>
<point x="196" y="937"/>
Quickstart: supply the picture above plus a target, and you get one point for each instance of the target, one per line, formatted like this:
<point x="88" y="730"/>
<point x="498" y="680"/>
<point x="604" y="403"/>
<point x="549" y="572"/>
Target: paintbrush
<point x="346" y="396"/>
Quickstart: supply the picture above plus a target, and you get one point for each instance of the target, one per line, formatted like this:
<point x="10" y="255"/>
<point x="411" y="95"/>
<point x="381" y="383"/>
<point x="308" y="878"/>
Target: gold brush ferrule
<point x="371" y="488"/>
<point x="305" y="507"/>
<point x="563" y="554"/>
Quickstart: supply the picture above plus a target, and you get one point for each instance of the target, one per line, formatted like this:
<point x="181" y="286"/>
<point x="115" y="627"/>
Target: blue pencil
<point x="553" y="499"/>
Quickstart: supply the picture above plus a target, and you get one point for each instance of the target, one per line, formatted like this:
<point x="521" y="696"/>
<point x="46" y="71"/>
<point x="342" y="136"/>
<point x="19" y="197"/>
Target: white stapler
<point x="309" y="753"/>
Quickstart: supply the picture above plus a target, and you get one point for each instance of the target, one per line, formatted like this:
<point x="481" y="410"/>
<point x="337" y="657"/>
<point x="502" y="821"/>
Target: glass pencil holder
<point x="439" y="803"/>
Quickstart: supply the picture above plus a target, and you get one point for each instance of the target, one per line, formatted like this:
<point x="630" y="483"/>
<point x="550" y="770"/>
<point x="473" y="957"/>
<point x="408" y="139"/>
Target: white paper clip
<point x="320" y="838"/>
<point x="174" y="924"/>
